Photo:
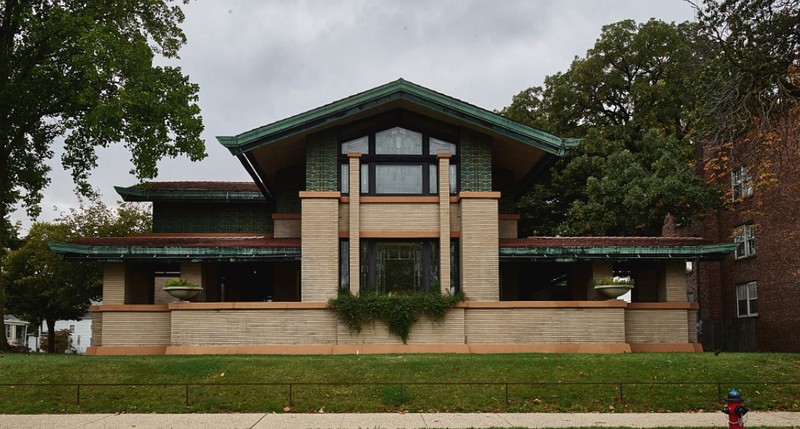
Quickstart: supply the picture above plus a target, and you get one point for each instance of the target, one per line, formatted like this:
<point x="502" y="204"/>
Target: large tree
<point x="752" y="108"/>
<point x="41" y="287"/>
<point x="632" y="100"/>
<point x="82" y="73"/>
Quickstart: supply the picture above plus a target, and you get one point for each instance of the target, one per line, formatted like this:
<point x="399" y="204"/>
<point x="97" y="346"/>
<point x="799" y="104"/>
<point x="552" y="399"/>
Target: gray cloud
<point x="260" y="61"/>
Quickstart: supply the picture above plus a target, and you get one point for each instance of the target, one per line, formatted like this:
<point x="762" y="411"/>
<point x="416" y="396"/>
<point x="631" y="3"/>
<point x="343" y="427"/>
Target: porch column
<point x="355" y="220"/>
<point x="444" y="222"/>
<point x="114" y="283"/>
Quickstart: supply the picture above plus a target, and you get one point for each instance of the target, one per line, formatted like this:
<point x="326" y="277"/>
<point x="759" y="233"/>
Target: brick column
<point x="444" y="222"/>
<point x="319" y="230"/>
<point x="480" y="259"/>
<point x="674" y="282"/>
<point x="355" y="221"/>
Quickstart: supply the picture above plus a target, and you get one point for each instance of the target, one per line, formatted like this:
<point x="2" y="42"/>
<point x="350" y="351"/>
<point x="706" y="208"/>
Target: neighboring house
<point x="394" y="189"/>
<point x="746" y="300"/>
<point x="16" y="330"/>
<point x="80" y="333"/>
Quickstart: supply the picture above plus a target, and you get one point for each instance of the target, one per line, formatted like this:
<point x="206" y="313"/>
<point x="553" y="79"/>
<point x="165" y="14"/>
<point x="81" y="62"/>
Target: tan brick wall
<point x="114" y="283"/>
<point x="455" y="217"/>
<point x="257" y="327"/>
<point x="287" y="228"/>
<point x="656" y="326"/>
<point x="545" y="325"/>
<point x="136" y="328"/>
<point x="425" y="331"/>
<point x="320" y="246"/>
<point x="675" y="278"/>
<point x="480" y="277"/>
<point x="399" y="217"/>
<point x="508" y="228"/>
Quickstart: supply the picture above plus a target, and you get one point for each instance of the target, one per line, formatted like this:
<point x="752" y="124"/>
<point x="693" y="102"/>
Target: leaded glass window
<point x="398" y="141"/>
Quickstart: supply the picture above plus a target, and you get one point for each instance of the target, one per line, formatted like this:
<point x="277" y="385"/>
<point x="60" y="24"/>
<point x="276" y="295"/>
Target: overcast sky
<point x="260" y="61"/>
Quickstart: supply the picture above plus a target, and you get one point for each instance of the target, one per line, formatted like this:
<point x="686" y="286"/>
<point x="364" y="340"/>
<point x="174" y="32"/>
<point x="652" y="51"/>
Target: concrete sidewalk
<point x="393" y="420"/>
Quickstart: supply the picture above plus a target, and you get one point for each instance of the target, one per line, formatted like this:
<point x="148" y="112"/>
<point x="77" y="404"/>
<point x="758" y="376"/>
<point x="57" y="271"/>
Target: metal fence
<point x="291" y="388"/>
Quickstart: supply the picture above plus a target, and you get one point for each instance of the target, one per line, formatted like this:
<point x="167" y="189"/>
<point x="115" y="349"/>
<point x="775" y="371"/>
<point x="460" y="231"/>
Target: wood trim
<point x="287" y="216"/>
<point x="455" y="234"/>
<point x="346" y="234"/>
<point x="473" y="194"/>
<point x="200" y="234"/>
<point x="663" y="306"/>
<point x="543" y="304"/>
<point x="403" y="234"/>
<point x="320" y="194"/>
<point x="441" y="155"/>
<point x="550" y="348"/>
<point x="125" y="350"/>
<point x="665" y="348"/>
<point x="278" y="349"/>
<point x="354" y="154"/>
<point x="508" y="216"/>
<point x="140" y="308"/>
<point x="248" y="306"/>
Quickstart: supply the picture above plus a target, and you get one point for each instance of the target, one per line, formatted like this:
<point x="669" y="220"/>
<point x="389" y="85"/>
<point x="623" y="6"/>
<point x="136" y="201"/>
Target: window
<point x="746" y="237"/>
<point x="741" y="183"/>
<point x="747" y="299"/>
<point x="398" y="161"/>
<point x="400" y="265"/>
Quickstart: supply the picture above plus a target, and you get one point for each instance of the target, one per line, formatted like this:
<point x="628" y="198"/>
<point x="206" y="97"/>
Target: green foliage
<point x="632" y="100"/>
<point x="613" y="281"/>
<point x="398" y="311"/>
<point x="181" y="282"/>
<point x="63" y="341"/>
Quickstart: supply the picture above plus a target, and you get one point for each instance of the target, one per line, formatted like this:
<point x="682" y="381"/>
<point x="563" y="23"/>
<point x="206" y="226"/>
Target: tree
<point x="753" y="86"/>
<point x="83" y="71"/>
<point x="42" y="287"/>
<point x="632" y="100"/>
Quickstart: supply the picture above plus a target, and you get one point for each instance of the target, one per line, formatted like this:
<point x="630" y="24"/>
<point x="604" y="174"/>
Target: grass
<point x="218" y="383"/>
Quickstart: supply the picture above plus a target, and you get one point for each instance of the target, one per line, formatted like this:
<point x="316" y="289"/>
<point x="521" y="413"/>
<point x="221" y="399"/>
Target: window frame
<point x="368" y="266"/>
<point x="745" y="235"/>
<point x="741" y="184"/>
<point x="370" y="160"/>
<point x="743" y="296"/>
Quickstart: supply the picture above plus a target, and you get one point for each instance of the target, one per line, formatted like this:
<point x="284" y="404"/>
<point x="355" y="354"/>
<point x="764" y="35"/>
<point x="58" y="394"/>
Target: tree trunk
<point x="3" y="340"/>
<point x="51" y="336"/>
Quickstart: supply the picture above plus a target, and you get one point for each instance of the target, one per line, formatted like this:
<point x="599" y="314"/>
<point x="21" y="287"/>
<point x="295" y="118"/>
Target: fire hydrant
<point x="735" y="410"/>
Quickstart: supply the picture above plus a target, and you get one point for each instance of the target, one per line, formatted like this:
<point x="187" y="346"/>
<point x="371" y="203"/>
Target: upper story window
<point x="746" y="237"/>
<point x="747" y="299"/>
<point x="398" y="161"/>
<point x="741" y="183"/>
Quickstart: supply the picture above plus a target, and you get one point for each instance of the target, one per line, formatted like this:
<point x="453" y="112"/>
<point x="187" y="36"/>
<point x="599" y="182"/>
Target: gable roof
<point x="394" y="92"/>
<point x="170" y="191"/>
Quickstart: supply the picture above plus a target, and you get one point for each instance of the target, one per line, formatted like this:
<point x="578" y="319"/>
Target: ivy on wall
<point x="398" y="311"/>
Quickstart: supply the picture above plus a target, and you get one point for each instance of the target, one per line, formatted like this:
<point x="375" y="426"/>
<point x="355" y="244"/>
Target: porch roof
<point x="197" y="191"/>
<point x="180" y="247"/>
<point x="583" y="248"/>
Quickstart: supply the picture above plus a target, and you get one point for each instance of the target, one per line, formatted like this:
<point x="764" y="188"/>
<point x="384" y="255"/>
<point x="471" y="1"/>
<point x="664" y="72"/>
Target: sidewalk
<point x="392" y="420"/>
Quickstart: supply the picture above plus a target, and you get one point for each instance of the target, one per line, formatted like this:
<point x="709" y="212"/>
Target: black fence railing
<point x="291" y="388"/>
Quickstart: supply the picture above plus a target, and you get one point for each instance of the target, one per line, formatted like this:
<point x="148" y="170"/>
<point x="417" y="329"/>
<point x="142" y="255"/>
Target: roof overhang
<point x="145" y="192"/>
<point x="636" y="248"/>
<point x="184" y="249"/>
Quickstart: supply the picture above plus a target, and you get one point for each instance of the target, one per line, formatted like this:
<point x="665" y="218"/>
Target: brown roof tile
<point x="190" y="241"/>
<point x="201" y="186"/>
<point x="602" y="241"/>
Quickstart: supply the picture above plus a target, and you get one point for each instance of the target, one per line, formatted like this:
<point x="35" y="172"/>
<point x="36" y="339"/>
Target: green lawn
<point x="216" y="378"/>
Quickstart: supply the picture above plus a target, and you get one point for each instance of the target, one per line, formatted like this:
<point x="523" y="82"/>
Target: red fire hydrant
<point x="735" y="410"/>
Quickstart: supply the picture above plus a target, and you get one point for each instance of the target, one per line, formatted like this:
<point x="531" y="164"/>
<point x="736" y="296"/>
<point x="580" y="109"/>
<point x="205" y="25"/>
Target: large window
<point x="741" y="183"/>
<point x="747" y="299"/>
<point x="400" y="265"/>
<point x="398" y="161"/>
<point x="745" y="235"/>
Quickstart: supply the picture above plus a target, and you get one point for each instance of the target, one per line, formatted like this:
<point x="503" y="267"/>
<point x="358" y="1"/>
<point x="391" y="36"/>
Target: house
<point x="80" y="333"/>
<point x="16" y="330"/>
<point x="394" y="189"/>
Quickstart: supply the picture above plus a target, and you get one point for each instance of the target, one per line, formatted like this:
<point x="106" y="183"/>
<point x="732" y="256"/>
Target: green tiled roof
<point x="392" y="92"/>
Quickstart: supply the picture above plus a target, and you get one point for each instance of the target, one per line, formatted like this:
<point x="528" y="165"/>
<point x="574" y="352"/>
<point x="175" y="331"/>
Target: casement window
<point x="741" y="183"/>
<point x="747" y="299"/>
<point x="398" y="161"/>
<point x="745" y="235"/>
<point x="399" y="265"/>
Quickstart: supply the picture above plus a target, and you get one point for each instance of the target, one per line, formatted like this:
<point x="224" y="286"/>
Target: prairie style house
<point x="394" y="189"/>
